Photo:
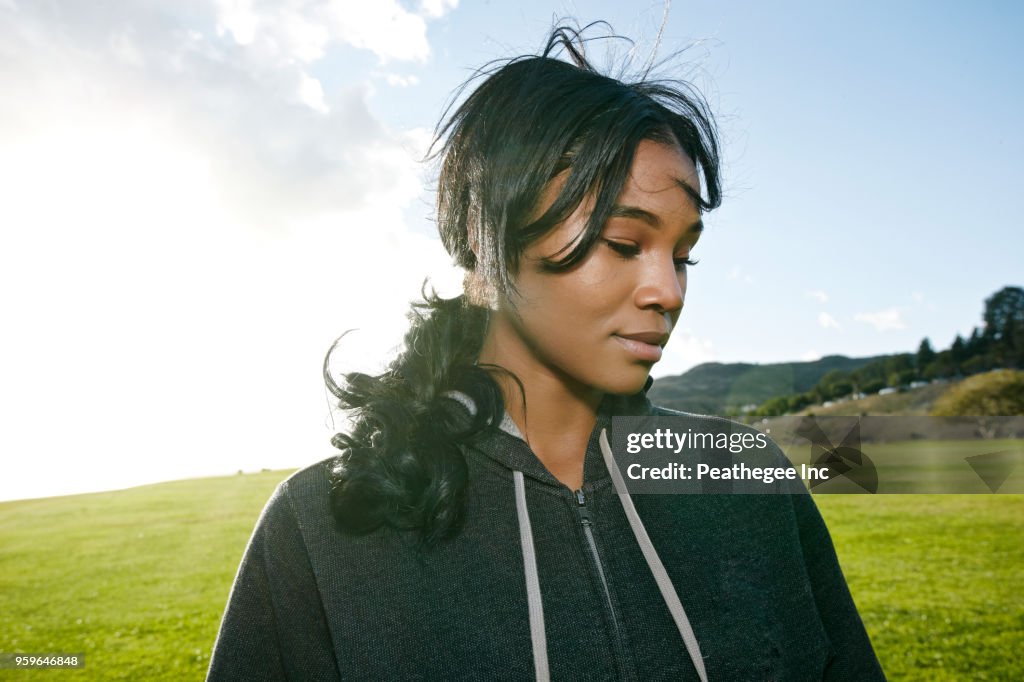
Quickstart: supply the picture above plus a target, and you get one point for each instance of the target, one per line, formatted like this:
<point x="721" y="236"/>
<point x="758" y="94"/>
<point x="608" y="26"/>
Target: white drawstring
<point x="536" y="606"/>
<point x="668" y="592"/>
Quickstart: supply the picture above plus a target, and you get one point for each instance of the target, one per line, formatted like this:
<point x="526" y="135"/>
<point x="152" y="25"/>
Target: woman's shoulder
<point x="311" y="479"/>
<point x="764" y="450"/>
<point x="300" y="501"/>
<point x="659" y="411"/>
<point x="707" y="420"/>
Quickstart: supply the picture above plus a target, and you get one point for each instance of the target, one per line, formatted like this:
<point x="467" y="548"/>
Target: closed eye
<point x="629" y="250"/>
<point x="625" y="249"/>
<point x="683" y="263"/>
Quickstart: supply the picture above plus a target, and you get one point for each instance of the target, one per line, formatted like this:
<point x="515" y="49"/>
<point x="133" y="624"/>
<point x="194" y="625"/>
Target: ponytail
<point x="401" y="465"/>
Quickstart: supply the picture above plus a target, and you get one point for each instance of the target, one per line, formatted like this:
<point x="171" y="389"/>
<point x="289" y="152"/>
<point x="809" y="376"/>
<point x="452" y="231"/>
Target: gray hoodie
<point x="543" y="582"/>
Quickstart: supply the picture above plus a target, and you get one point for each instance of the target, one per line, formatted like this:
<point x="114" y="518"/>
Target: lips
<point x="653" y="338"/>
<point x="644" y="346"/>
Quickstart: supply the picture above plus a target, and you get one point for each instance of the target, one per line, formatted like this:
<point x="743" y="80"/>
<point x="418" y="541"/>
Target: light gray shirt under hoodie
<point x="537" y="585"/>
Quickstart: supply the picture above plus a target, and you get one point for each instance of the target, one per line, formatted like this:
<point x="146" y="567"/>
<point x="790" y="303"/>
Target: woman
<point x="474" y="525"/>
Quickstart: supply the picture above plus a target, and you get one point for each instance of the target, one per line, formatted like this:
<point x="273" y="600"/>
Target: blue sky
<point x="872" y="155"/>
<point x="200" y="195"/>
<point x="871" y="160"/>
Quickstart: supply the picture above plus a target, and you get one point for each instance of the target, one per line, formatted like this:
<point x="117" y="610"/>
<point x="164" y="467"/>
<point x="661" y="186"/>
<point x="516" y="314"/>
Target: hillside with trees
<point x="732" y="388"/>
<point x="789" y="388"/>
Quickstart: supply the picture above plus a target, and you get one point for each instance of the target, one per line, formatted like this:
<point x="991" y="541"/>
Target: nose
<point x="662" y="287"/>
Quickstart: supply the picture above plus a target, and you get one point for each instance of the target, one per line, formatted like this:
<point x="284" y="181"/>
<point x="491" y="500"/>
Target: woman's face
<point x="602" y="324"/>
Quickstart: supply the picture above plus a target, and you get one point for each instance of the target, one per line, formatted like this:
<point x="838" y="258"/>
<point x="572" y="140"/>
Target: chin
<point x="626" y="382"/>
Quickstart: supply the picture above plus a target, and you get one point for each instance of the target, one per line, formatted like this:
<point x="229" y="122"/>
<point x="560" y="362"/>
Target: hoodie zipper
<point x="581" y="508"/>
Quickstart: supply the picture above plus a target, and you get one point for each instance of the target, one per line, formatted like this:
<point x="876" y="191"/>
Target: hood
<point x="507" y="446"/>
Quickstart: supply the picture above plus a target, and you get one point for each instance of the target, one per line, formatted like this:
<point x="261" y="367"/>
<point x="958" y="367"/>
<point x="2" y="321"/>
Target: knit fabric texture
<point x="757" y="575"/>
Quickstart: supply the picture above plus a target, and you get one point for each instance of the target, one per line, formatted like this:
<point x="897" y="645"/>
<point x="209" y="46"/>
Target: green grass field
<point x="928" y="466"/>
<point x="137" y="579"/>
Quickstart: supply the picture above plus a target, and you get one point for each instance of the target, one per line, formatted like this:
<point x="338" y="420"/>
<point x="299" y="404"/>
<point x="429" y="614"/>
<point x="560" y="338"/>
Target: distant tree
<point x="841" y="389"/>
<point x="800" y="401"/>
<point x="873" y="386"/>
<point x="925" y="355"/>
<point x="958" y="353"/>
<point x="1013" y="336"/>
<point x="977" y="364"/>
<point x="941" y="366"/>
<point x="1004" y="326"/>
<point x="1004" y="311"/>
<point x="993" y="394"/>
<point x="976" y="345"/>
<point x="897" y="364"/>
<point x="901" y="378"/>
<point x="869" y="373"/>
<point x="773" y="407"/>
<point x="835" y="384"/>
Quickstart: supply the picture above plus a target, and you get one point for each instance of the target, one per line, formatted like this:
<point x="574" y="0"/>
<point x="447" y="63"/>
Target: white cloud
<point x="917" y="296"/>
<point x="438" y="8"/>
<point x="400" y="81"/>
<point x="281" y="143"/>
<point x="826" y="321"/>
<point x="238" y="18"/>
<point x="883" y="320"/>
<point x="312" y="94"/>
<point x="684" y="350"/>
<point x="295" y="30"/>
<point x="810" y="355"/>
<point x="819" y="296"/>
<point x="189" y="221"/>
<point x="383" y="26"/>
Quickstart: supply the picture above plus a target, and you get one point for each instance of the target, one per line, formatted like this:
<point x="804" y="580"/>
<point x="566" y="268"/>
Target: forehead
<point x="659" y="190"/>
<point x="664" y="176"/>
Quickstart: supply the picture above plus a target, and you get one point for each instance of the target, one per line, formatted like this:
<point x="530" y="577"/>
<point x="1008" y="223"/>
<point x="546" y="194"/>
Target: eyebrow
<point x="637" y="213"/>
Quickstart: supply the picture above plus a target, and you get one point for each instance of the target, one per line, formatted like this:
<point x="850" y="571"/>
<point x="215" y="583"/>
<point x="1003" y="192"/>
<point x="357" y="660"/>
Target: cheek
<point x="551" y="315"/>
<point x="580" y="303"/>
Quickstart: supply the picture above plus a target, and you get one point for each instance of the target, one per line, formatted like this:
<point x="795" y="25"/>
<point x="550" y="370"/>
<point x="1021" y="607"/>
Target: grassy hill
<point x="911" y="402"/>
<point x="138" y="579"/>
<point x="995" y="392"/>
<point x="714" y="387"/>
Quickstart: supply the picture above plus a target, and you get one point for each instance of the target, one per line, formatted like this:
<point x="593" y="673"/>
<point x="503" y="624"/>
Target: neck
<point x="559" y="413"/>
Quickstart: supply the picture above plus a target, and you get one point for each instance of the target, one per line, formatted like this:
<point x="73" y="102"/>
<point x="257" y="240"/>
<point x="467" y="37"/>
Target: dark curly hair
<point x="529" y="120"/>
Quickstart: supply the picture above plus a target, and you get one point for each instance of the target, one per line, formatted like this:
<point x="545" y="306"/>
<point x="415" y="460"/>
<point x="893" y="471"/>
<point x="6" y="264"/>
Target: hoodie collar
<point x="506" y="445"/>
